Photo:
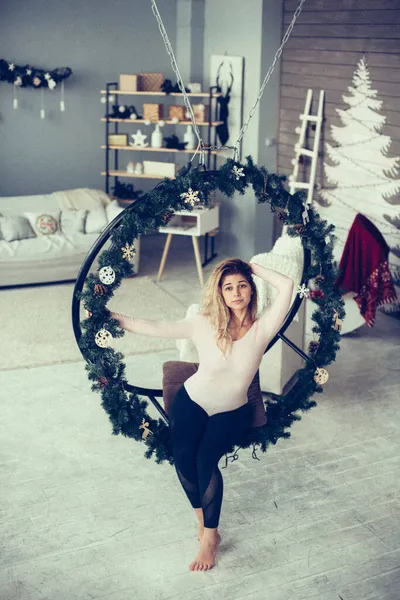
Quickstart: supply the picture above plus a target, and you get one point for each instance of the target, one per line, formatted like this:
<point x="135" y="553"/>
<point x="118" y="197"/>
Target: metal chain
<point x="175" y="68"/>
<point x="267" y="78"/>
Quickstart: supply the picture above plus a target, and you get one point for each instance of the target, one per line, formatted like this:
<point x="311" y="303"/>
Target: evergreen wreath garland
<point x="105" y="366"/>
<point x="27" y="76"/>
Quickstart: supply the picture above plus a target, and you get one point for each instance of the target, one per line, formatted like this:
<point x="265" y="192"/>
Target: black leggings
<point x="198" y="443"/>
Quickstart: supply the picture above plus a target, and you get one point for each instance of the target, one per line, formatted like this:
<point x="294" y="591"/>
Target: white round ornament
<point x="107" y="275"/>
<point x="103" y="338"/>
<point x="321" y="376"/>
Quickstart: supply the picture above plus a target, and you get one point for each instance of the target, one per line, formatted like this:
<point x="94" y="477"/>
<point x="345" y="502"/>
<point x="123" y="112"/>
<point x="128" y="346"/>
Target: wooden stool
<point x="196" y="249"/>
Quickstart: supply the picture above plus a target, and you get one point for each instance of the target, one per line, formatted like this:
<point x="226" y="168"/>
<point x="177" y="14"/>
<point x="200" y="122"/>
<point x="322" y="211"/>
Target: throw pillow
<point x="113" y="209"/>
<point x="45" y="225"/>
<point x="15" y="227"/>
<point x="96" y="219"/>
<point x="73" y="221"/>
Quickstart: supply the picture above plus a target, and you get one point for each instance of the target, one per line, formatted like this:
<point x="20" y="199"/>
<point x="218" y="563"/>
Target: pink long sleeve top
<point x="222" y="381"/>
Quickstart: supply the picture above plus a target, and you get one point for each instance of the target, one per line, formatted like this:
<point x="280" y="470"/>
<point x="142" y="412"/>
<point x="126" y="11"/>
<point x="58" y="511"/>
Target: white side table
<point x="194" y="223"/>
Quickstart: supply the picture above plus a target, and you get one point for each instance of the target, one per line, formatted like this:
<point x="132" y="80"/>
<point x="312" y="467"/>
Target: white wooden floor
<point x="84" y="516"/>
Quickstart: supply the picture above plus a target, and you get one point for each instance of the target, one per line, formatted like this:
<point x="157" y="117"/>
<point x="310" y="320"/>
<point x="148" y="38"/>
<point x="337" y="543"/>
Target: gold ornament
<point x="128" y="251"/>
<point x="99" y="289"/>
<point x="321" y="376"/>
<point x="338" y="322"/>
<point x="146" y="431"/>
<point x="103" y="338"/>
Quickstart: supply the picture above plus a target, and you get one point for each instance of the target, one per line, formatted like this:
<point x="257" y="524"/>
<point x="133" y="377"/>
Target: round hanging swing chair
<point x="195" y="186"/>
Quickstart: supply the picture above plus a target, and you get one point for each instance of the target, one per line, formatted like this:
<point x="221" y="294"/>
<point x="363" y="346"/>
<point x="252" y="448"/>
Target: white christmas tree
<point x="362" y="172"/>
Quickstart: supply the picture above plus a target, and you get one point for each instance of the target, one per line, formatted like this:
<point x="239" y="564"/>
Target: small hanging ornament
<point x="191" y="197"/>
<point x="319" y="279"/>
<point x="103" y="381"/>
<point x="62" y="102"/>
<point x="36" y="81"/>
<point x="29" y="71"/>
<point x="42" y="111"/>
<point x="166" y="217"/>
<point x="304" y="215"/>
<point x="317" y="295"/>
<point x="47" y="76"/>
<point x="128" y="251"/>
<point x="103" y="338"/>
<point x="11" y="67"/>
<point x="338" y="322"/>
<point x="313" y="347"/>
<point x="107" y="275"/>
<point x="88" y="314"/>
<point x="146" y="431"/>
<point x="238" y="172"/>
<point x="321" y="376"/>
<point x="99" y="290"/>
<point x="303" y="291"/>
<point x="52" y="84"/>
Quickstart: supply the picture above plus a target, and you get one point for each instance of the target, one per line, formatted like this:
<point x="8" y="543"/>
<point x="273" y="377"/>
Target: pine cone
<point x="103" y="381"/>
<point x="99" y="289"/>
<point x="313" y="347"/>
<point x="319" y="279"/>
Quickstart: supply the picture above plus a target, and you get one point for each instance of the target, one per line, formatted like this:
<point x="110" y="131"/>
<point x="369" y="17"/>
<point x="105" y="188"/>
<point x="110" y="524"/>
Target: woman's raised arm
<point x="166" y="329"/>
<point x="274" y="315"/>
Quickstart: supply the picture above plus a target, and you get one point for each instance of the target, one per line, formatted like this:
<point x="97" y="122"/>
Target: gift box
<point x="150" y="82"/>
<point x="128" y="83"/>
<point x="200" y="112"/>
<point x="163" y="169"/>
<point x="177" y="112"/>
<point x="118" y="139"/>
<point x="153" y="112"/>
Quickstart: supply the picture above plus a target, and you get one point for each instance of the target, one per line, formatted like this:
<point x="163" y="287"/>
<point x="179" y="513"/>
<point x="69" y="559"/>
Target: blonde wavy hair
<point x="213" y="305"/>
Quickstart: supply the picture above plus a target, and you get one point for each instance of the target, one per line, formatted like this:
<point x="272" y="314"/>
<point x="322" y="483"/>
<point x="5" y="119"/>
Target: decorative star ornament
<point x="29" y="71"/>
<point x="47" y="76"/>
<point x="303" y="291"/>
<point x="139" y="139"/>
<point x="11" y="67"/>
<point x="191" y="197"/>
<point x="238" y="172"/>
<point x="128" y="251"/>
<point x="51" y="83"/>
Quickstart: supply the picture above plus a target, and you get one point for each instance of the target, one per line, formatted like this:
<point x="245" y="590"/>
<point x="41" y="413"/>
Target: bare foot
<point x="200" y="533"/>
<point x="205" y="559"/>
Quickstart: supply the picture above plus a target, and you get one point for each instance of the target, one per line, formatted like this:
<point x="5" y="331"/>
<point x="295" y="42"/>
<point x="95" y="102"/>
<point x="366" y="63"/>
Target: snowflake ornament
<point x="47" y="76"/>
<point x="303" y="291"/>
<point x="191" y="197"/>
<point x="29" y="71"/>
<point x="128" y="251"/>
<point x="238" y="172"/>
<point x="139" y="139"/>
<point x="11" y="67"/>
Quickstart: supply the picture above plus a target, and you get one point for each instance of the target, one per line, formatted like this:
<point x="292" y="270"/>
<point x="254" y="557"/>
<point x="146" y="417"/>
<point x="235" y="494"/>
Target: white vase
<point x="189" y="137"/>
<point x="156" y="137"/>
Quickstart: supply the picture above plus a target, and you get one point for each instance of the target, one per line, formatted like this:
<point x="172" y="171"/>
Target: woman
<point x="210" y="411"/>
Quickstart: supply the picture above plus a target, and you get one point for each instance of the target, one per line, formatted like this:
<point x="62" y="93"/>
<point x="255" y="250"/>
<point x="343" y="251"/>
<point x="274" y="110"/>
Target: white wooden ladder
<point x="307" y="118"/>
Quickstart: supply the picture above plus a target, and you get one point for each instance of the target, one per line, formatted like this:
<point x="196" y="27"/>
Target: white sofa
<point x="280" y="363"/>
<point x="27" y="256"/>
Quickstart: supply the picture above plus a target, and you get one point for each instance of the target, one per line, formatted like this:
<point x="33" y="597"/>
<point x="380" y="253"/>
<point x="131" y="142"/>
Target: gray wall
<point x="252" y="30"/>
<point x="98" y="40"/>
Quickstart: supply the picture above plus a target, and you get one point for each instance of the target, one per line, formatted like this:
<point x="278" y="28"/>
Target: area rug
<point x="37" y="328"/>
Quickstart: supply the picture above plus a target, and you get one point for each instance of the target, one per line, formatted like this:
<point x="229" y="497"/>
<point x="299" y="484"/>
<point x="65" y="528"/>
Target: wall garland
<point x="27" y="76"/>
<point x="192" y="187"/>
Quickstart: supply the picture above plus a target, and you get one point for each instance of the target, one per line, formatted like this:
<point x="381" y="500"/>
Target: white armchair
<point x="280" y="363"/>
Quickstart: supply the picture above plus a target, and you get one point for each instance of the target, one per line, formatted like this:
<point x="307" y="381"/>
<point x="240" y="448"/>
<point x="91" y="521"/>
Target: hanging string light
<point x="62" y="101"/>
<point x="42" y="111"/>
